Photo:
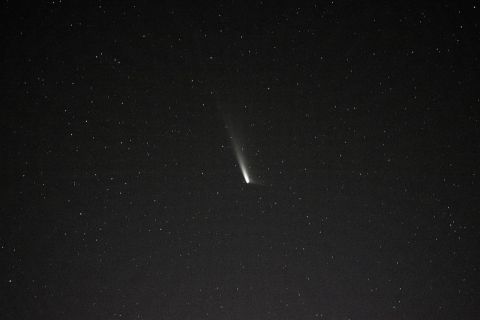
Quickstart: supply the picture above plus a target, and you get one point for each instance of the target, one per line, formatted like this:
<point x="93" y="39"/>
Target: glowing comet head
<point x="245" y="173"/>
<point x="242" y="163"/>
<point x="239" y="152"/>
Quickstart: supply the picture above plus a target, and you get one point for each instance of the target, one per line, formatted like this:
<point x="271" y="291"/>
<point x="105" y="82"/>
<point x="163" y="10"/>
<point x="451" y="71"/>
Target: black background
<point x="122" y="197"/>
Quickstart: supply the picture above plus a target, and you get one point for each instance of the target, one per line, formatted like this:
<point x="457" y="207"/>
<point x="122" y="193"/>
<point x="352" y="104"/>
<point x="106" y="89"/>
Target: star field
<point x="127" y="127"/>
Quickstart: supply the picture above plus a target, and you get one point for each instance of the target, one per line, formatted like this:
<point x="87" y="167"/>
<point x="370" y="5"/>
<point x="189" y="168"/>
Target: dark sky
<point x="123" y="196"/>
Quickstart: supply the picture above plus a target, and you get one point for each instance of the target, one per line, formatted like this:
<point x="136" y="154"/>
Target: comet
<point x="245" y="173"/>
<point x="241" y="161"/>
<point x="231" y="125"/>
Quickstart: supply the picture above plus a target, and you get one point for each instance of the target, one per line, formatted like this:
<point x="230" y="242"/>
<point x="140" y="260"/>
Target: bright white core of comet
<point x="244" y="171"/>
<point x="241" y="162"/>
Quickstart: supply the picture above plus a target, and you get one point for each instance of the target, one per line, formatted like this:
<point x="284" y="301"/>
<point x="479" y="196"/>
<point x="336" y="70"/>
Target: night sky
<point x="129" y="131"/>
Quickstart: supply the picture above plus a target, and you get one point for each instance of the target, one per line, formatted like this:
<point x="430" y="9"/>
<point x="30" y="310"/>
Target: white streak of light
<point x="241" y="161"/>
<point x="244" y="172"/>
